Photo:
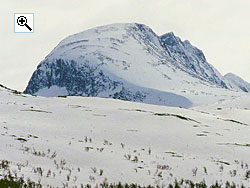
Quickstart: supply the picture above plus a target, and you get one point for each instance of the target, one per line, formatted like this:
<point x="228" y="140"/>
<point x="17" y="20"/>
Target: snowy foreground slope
<point x="80" y="140"/>
<point x="129" y="61"/>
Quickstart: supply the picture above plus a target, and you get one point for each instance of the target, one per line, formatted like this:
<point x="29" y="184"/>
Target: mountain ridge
<point x="237" y="82"/>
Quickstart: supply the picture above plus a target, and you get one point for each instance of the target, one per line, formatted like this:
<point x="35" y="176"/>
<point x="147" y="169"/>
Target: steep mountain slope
<point x="74" y="141"/>
<point x="190" y="59"/>
<point x="129" y="62"/>
<point x="237" y="82"/>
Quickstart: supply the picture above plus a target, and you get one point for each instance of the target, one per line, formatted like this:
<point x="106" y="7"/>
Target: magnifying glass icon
<point x="22" y="21"/>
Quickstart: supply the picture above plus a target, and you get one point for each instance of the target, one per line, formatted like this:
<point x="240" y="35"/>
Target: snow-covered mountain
<point x="129" y="62"/>
<point x="75" y="141"/>
<point x="237" y="82"/>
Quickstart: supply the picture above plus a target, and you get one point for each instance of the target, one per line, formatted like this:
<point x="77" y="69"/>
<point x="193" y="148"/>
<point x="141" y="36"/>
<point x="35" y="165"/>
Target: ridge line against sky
<point x="219" y="28"/>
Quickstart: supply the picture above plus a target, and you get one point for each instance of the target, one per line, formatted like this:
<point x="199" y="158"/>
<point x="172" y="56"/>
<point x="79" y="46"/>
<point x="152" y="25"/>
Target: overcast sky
<point x="220" y="28"/>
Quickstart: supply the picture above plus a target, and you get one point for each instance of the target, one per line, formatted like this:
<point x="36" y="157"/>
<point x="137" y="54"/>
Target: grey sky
<point x="220" y="28"/>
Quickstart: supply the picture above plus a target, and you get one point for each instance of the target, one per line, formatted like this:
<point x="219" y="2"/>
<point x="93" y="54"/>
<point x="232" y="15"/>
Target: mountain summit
<point x="129" y="62"/>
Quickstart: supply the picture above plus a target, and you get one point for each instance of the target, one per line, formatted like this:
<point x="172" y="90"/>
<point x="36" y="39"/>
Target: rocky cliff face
<point x="129" y="62"/>
<point x="190" y="59"/>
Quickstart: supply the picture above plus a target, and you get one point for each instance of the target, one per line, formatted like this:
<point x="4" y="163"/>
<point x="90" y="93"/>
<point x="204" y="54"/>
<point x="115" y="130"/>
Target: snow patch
<point x="53" y="91"/>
